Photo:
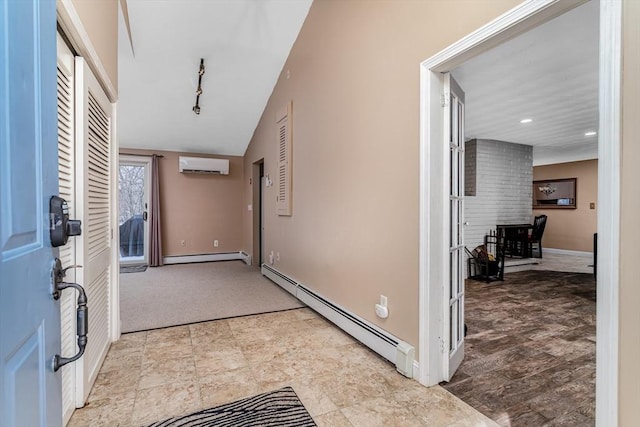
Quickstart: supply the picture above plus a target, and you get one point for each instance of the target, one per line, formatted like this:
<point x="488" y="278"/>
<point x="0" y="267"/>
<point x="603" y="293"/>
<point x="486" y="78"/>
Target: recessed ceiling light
<point x="526" y="120"/>
<point x="590" y="133"/>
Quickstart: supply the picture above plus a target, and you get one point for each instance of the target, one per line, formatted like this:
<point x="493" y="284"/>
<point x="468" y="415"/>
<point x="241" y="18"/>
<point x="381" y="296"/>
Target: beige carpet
<point x="189" y="293"/>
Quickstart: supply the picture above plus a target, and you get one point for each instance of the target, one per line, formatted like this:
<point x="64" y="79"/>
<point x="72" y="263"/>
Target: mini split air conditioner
<point x="204" y="165"/>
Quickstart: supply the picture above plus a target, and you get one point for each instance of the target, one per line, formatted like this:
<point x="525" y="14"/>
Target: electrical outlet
<point x="183" y="242"/>
<point x="215" y="243"/>
<point x="592" y="205"/>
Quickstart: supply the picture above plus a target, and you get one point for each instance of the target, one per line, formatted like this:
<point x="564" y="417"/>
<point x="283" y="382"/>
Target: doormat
<point x="133" y="268"/>
<point x="276" y="408"/>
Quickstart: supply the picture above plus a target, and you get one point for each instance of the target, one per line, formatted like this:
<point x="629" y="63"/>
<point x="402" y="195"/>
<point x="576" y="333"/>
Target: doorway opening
<point x="258" y="183"/>
<point x="435" y="212"/>
<point x="133" y="197"/>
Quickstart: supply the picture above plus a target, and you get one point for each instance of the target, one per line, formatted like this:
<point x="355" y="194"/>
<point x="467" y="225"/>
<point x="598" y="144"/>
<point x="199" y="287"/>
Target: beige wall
<point x="571" y="229"/>
<point x="199" y="208"/>
<point x="354" y="83"/>
<point x="629" y="368"/>
<point x="100" y="21"/>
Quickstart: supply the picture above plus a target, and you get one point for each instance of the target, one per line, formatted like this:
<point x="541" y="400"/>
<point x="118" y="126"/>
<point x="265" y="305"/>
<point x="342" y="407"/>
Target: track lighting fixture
<point x="196" y="108"/>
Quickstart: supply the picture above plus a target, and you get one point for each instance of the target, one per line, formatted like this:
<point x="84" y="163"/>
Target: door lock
<point x="61" y="227"/>
<point x="82" y="312"/>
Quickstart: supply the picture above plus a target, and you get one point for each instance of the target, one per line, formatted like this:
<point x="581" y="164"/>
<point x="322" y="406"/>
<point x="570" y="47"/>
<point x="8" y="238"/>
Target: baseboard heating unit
<point x="220" y="256"/>
<point x="386" y="345"/>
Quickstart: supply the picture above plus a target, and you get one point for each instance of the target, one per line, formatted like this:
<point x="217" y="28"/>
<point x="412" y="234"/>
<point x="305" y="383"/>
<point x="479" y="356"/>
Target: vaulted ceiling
<point x="244" y="44"/>
<point x="548" y="75"/>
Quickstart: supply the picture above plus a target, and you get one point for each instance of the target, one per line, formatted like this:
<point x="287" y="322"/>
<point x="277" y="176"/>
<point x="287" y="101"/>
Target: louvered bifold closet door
<point x="93" y="188"/>
<point x="66" y="174"/>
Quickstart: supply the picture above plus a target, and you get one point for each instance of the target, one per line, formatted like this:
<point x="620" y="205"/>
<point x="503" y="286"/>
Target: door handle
<point x="82" y="313"/>
<point x="145" y="215"/>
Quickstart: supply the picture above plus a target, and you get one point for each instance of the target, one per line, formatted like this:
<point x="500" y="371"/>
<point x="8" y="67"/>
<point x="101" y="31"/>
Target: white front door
<point x="454" y="304"/>
<point x="29" y="316"/>
<point x="134" y="176"/>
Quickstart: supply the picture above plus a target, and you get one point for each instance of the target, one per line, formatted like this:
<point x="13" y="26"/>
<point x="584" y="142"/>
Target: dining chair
<point x="535" y="238"/>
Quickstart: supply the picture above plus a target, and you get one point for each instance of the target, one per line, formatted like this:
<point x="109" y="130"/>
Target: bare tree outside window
<point x="130" y="191"/>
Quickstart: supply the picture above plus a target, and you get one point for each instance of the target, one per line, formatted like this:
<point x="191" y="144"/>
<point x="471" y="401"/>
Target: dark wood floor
<point x="530" y="349"/>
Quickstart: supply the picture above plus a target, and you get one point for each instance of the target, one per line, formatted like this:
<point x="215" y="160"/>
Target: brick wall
<point x="503" y="175"/>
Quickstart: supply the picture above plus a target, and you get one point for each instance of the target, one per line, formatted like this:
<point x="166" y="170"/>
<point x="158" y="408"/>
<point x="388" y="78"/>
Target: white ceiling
<point x="244" y="44"/>
<point x="550" y="75"/>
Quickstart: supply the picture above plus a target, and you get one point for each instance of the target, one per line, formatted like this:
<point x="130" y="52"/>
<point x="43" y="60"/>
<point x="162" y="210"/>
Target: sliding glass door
<point x="133" y="198"/>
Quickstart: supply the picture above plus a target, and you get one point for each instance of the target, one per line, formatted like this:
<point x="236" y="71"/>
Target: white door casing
<point x="514" y="22"/>
<point x="453" y="98"/>
<point x="94" y="154"/>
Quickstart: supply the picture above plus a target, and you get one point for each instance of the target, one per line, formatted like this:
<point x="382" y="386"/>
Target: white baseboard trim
<point x="186" y="259"/>
<point x="378" y="340"/>
<point x="566" y="252"/>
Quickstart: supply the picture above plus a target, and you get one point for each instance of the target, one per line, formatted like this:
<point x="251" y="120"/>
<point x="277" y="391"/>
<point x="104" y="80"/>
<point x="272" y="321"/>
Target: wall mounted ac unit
<point x="204" y="165"/>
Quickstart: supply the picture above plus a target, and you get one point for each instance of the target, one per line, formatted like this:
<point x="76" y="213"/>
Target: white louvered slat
<point x="95" y="147"/>
<point x="98" y="292"/>
<point x="66" y="183"/>
<point x="283" y="200"/>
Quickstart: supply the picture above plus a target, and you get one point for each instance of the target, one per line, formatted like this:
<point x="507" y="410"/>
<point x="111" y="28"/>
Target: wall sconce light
<point x="196" y="108"/>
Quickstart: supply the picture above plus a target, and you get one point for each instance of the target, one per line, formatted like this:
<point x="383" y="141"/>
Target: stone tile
<point x="114" y="411"/>
<point x="305" y="314"/>
<point x="114" y="383"/>
<point x="313" y="397"/>
<point x="213" y="362"/>
<point x="161" y="372"/>
<point x="169" y="400"/>
<point x="271" y="375"/>
<point x="266" y="320"/>
<point x="207" y="344"/>
<point x="158" y="374"/>
<point x="227" y="386"/>
<point x="348" y="389"/>
<point x="379" y="412"/>
<point x="134" y="340"/>
<point x="214" y="329"/>
<point x="182" y="348"/>
<point x="123" y="359"/>
<point x="332" y="419"/>
<point x="168" y="336"/>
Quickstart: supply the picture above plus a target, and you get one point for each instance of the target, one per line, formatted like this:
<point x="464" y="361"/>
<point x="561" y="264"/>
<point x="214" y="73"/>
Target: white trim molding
<point x="433" y="212"/>
<point x="187" y="259"/>
<point x="609" y="150"/>
<point x="567" y="252"/>
<point x="72" y="25"/>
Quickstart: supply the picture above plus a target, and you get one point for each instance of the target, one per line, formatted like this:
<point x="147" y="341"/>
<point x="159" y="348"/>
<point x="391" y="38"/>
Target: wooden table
<point x="515" y="238"/>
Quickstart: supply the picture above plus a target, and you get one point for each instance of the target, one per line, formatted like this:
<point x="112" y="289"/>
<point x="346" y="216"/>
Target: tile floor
<point x="149" y="376"/>
<point x="530" y="349"/>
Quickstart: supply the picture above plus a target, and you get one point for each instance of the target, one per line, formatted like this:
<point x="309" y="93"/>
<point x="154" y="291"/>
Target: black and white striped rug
<point x="276" y="408"/>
